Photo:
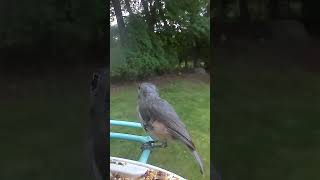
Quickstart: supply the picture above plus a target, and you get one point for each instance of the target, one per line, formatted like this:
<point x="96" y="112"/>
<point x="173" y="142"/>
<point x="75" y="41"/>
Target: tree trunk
<point x="195" y="54"/>
<point x="145" y="9"/>
<point x="244" y="11"/>
<point x="185" y="63"/>
<point x="120" y="22"/>
<point x="149" y="11"/>
<point x="159" y="5"/>
<point x="153" y="15"/>
<point x="195" y="62"/>
<point x="127" y="2"/>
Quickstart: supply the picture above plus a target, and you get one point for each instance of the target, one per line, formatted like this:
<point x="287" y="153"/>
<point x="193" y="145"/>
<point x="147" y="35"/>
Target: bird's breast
<point x="158" y="130"/>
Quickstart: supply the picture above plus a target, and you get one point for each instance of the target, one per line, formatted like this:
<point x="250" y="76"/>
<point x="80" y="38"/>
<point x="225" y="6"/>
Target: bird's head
<point x="147" y="89"/>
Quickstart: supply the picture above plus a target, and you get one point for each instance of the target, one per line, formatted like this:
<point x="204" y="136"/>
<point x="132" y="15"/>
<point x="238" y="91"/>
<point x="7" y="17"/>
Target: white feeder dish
<point x="136" y="170"/>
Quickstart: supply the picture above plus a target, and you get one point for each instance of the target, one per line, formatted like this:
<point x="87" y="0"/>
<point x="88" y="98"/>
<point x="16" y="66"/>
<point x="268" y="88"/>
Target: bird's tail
<point x="199" y="160"/>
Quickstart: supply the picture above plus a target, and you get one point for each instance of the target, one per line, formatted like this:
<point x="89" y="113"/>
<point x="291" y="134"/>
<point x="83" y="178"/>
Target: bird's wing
<point x="164" y="112"/>
<point x="143" y="113"/>
<point x="144" y="117"/>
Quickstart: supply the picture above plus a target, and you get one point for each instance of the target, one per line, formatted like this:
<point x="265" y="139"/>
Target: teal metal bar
<point x="145" y="155"/>
<point x="143" y="139"/>
<point x="130" y="137"/>
<point x="125" y="123"/>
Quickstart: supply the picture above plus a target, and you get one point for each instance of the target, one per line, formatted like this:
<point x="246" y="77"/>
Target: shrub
<point x="144" y="53"/>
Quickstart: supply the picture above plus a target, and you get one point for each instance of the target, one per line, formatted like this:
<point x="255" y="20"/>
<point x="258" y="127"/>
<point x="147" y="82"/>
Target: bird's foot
<point x="146" y="145"/>
<point x="160" y="145"/>
<point x="153" y="144"/>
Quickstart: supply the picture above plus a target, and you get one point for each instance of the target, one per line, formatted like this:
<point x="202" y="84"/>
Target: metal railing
<point x="130" y="137"/>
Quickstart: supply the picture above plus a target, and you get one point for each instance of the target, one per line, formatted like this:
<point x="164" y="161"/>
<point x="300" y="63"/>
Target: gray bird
<point x="160" y="120"/>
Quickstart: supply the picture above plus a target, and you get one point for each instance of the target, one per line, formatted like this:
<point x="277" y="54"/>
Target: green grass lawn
<point x="191" y="100"/>
<point x="267" y="122"/>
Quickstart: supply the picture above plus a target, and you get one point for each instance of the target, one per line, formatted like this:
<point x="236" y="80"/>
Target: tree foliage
<point x="160" y="34"/>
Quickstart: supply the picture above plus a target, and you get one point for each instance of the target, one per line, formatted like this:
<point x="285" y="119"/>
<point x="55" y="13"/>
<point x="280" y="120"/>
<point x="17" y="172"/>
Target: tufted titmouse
<point x="161" y="121"/>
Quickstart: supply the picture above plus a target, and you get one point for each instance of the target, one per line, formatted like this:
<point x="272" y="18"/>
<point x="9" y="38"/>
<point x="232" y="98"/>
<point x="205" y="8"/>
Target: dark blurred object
<point x="45" y="33"/>
<point x="290" y="32"/>
<point x="214" y="174"/>
<point x="98" y="112"/>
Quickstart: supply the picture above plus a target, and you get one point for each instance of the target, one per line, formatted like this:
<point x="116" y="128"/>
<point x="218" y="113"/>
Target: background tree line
<point x="158" y="36"/>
